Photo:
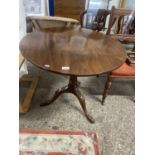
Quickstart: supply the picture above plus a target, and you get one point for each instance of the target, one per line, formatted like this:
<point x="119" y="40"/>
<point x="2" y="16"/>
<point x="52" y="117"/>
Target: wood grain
<point x="71" y="8"/>
<point x="74" y="51"/>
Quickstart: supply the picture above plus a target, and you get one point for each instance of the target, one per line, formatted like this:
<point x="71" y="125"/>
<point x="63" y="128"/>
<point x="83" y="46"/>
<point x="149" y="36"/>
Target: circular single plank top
<point x="54" y="18"/>
<point x="73" y="51"/>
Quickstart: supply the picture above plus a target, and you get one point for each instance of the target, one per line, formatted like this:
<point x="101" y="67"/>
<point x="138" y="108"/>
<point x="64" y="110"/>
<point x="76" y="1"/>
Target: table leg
<point x="72" y="87"/>
<point x="56" y="95"/>
<point x="83" y="105"/>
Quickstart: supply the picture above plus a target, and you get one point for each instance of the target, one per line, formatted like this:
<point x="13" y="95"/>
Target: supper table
<point x="74" y="52"/>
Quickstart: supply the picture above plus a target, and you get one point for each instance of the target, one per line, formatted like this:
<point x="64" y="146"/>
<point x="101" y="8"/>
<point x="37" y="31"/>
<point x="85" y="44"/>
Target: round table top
<point x="73" y="51"/>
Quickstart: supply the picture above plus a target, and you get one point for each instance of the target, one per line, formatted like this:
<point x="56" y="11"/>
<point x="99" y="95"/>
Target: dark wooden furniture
<point x="46" y="22"/>
<point x="69" y="8"/>
<point x="74" y="52"/>
<point x="95" y="19"/>
<point x="122" y="21"/>
<point x="40" y="23"/>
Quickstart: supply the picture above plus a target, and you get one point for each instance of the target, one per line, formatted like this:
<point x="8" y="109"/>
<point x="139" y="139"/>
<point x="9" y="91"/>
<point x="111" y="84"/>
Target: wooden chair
<point x="46" y="22"/>
<point x="25" y="104"/>
<point x="121" y="27"/>
<point x="95" y="19"/>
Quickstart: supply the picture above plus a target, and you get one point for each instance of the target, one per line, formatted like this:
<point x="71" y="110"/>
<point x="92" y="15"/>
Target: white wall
<point x="113" y="3"/>
<point x="22" y="21"/>
<point x="130" y="4"/>
<point x="103" y="3"/>
<point x="22" y="33"/>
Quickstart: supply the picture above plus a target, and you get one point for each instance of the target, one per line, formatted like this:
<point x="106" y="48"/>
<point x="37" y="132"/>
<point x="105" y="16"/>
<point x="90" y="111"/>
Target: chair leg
<point x="106" y="89"/>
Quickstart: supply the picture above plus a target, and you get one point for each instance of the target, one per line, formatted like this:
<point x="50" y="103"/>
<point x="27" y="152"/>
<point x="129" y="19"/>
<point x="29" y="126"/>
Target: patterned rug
<point x="55" y="142"/>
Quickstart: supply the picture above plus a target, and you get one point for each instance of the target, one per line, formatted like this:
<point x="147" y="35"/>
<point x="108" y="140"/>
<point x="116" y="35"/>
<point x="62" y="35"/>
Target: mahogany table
<point x="74" y="52"/>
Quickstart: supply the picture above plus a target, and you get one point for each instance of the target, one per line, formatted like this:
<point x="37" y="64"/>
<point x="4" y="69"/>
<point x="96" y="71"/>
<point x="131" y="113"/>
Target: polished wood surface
<point x="69" y="8"/>
<point x="73" y="51"/>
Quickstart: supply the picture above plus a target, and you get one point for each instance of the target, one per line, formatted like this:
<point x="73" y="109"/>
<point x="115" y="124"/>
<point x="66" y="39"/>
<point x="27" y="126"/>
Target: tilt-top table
<point x="74" y="52"/>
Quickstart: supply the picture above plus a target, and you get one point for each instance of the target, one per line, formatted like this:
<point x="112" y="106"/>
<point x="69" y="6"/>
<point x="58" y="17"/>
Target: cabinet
<point x="69" y="8"/>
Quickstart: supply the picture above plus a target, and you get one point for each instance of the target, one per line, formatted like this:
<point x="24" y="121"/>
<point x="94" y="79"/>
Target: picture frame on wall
<point x="35" y="7"/>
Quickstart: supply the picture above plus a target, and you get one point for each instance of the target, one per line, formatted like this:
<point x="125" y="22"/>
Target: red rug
<point x="55" y="142"/>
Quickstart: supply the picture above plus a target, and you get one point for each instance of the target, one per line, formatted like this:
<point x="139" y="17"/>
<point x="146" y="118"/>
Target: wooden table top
<point x="73" y="51"/>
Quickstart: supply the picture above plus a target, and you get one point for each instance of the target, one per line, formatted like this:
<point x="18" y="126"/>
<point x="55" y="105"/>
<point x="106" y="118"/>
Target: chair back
<point x="121" y="22"/>
<point x="122" y="27"/>
<point x="95" y="18"/>
<point x="46" y="22"/>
